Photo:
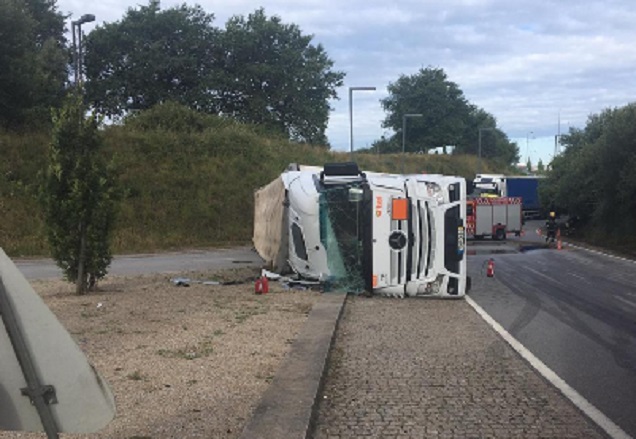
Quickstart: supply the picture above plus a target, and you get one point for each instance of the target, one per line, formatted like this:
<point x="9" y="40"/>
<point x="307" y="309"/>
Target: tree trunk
<point x="80" y="285"/>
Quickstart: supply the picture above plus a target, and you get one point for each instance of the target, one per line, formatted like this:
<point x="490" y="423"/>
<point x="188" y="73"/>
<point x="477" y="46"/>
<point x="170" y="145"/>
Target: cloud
<point x="525" y="62"/>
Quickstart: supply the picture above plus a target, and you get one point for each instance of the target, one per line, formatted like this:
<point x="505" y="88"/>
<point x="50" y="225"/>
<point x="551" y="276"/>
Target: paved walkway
<point x="435" y="369"/>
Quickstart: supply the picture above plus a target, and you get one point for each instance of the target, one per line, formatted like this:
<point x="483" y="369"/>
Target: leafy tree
<point x="33" y="60"/>
<point x="149" y="57"/>
<point x="495" y="144"/>
<point x="385" y="145"/>
<point x="594" y="177"/>
<point x="447" y="117"/>
<point x="269" y="73"/>
<point x="442" y="104"/>
<point x="78" y="196"/>
<point x="540" y="167"/>
<point x="256" y="70"/>
<point x="529" y="165"/>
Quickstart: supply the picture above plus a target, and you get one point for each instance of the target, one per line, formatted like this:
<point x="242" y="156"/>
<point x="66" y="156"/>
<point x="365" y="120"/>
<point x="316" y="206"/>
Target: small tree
<point x="529" y="166"/>
<point x="540" y="167"/>
<point x="78" y="196"/>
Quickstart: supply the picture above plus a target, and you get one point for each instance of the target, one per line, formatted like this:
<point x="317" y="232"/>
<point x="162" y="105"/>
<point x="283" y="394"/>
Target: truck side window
<point x="454" y="193"/>
<point x="299" y="242"/>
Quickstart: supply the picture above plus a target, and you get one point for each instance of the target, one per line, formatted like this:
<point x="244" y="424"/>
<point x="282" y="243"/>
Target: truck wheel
<point x="500" y="235"/>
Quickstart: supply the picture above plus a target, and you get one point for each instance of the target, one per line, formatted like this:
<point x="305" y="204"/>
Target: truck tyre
<point x="500" y="235"/>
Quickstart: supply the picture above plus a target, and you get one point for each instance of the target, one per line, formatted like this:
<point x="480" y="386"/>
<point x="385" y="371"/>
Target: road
<point x="573" y="309"/>
<point x="181" y="262"/>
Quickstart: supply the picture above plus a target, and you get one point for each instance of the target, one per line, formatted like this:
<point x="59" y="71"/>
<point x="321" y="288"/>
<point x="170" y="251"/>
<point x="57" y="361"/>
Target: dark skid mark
<point x="527" y="248"/>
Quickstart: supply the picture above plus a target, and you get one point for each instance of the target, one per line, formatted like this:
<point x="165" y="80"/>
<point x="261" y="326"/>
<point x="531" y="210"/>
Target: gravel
<point x="182" y="362"/>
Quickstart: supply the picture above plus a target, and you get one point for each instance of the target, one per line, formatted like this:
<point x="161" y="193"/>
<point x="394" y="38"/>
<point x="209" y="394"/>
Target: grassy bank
<point x="187" y="180"/>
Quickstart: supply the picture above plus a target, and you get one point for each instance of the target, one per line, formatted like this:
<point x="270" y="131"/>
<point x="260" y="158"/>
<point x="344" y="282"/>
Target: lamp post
<point x="77" y="48"/>
<point x="351" y="90"/>
<point x="404" y="117"/>
<point x="528" y="144"/>
<point x="479" y="152"/>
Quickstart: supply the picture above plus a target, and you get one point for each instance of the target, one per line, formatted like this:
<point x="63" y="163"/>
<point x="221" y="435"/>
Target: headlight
<point x="435" y="191"/>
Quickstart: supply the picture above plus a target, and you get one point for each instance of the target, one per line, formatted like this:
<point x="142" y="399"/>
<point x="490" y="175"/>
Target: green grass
<point x="136" y="376"/>
<point x="200" y="350"/>
<point x="188" y="184"/>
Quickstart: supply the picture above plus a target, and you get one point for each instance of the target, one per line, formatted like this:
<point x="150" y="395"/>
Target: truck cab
<point x="391" y="234"/>
<point x="490" y="185"/>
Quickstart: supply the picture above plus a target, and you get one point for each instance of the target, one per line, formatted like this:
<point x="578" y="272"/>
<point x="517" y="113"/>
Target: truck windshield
<point x="342" y="231"/>
<point x="452" y="225"/>
<point x="478" y="191"/>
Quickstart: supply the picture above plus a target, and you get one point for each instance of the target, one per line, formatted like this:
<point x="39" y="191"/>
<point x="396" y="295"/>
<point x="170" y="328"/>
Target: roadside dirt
<point x="182" y="362"/>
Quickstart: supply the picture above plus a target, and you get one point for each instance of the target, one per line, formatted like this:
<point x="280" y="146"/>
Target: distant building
<point x="448" y="149"/>
<point x="523" y="167"/>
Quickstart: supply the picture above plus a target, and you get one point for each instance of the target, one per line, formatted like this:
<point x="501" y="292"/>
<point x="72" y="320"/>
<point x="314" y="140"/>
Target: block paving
<point x="434" y="369"/>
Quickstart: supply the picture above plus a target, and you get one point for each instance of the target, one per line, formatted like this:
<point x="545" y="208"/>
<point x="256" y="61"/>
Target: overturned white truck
<point x="396" y="235"/>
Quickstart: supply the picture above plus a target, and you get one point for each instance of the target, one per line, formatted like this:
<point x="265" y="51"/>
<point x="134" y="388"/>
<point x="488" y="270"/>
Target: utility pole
<point x="77" y="45"/>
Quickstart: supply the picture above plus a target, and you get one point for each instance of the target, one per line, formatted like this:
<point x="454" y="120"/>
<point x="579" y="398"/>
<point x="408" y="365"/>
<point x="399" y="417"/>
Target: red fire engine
<point x="493" y="216"/>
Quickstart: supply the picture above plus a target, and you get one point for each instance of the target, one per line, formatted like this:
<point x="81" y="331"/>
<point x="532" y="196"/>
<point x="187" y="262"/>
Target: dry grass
<point x="182" y="362"/>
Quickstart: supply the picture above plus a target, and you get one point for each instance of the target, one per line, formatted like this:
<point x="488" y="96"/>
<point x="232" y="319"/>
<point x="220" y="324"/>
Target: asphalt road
<point x="573" y="309"/>
<point x="181" y="262"/>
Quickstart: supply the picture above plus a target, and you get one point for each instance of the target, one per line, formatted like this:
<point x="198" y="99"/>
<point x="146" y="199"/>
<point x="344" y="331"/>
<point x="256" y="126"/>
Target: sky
<point x="540" y="67"/>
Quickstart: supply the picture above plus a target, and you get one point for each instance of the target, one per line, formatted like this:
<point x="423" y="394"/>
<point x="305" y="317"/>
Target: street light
<point x="351" y="90"/>
<point x="404" y="134"/>
<point x="77" y="48"/>
<point x="479" y="153"/>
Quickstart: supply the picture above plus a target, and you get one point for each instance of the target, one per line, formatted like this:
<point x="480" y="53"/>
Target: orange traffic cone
<point x="490" y="269"/>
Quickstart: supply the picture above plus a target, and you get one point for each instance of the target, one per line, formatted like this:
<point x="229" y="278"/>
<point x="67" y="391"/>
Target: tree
<point x="269" y="73"/>
<point x="594" y="177"/>
<point x="149" y="57"/>
<point x="495" y="144"/>
<point x="529" y="166"/>
<point x="256" y="70"/>
<point x="448" y="117"/>
<point x="440" y="101"/>
<point x="385" y="145"/>
<point x="33" y="61"/>
<point x="540" y="167"/>
<point x="78" y="196"/>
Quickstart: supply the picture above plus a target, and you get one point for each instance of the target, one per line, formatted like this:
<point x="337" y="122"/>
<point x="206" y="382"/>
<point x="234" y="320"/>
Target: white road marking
<point x="613" y="430"/>
<point x="620" y="258"/>
<point x="625" y="301"/>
